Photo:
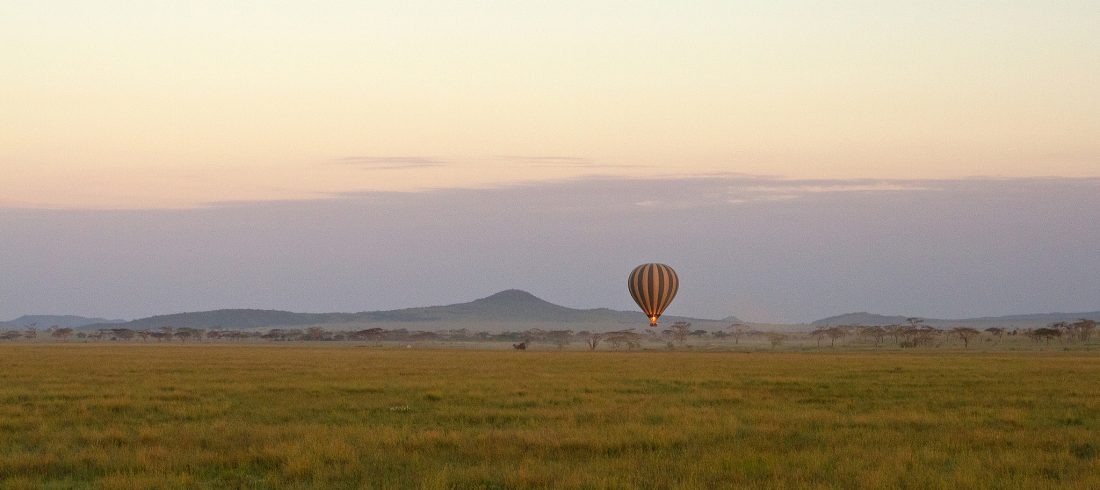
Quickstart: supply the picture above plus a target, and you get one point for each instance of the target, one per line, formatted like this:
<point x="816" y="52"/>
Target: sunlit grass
<point x="135" y="416"/>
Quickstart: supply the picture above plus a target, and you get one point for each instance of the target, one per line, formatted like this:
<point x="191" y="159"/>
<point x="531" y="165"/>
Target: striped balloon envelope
<point x="653" y="286"/>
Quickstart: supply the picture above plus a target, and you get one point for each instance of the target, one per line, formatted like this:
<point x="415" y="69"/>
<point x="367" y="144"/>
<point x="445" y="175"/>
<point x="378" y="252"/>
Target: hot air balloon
<point x="653" y="286"/>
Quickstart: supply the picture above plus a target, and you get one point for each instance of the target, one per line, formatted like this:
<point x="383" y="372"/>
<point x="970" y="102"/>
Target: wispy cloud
<point x="718" y="190"/>
<point x="561" y="161"/>
<point x="391" y="162"/>
<point x="782" y="190"/>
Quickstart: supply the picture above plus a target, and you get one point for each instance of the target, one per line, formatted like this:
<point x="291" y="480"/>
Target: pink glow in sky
<point x="173" y="104"/>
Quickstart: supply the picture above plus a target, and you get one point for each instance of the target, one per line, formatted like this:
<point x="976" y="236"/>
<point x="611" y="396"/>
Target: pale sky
<point x="158" y="104"/>
<point x="792" y="159"/>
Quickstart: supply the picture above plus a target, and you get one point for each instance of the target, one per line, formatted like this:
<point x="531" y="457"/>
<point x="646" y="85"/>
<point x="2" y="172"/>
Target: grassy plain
<point x="148" y="416"/>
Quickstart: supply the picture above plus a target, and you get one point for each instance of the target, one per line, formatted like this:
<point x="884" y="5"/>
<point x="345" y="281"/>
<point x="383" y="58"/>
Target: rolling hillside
<point x="1011" y="321"/>
<point x="47" y="321"/>
<point x="507" y="310"/>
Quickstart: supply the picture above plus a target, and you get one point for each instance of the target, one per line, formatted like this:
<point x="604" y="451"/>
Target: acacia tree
<point x="1084" y="328"/>
<point x="894" y="331"/>
<point x="593" y="340"/>
<point x="835" y="333"/>
<point x="1030" y="334"/>
<point x="680" y="331"/>
<point x="776" y="339"/>
<point x="624" y="338"/>
<point x="875" y="332"/>
<point x="457" y="333"/>
<point x="1048" y="334"/>
<point x="184" y="333"/>
<point x="122" y="333"/>
<point x="1044" y="334"/>
<point x="918" y="335"/>
<point x="839" y="333"/>
<point x="534" y="335"/>
<point x="315" y="333"/>
<point x="375" y="334"/>
<point x="738" y="330"/>
<point x="1068" y="330"/>
<point x="819" y="334"/>
<point x="62" y="333"/>
<point x="964" y="334"/>
<point x="560" y="338"/>
<point x="832" y="333"/>
<point x="997" y="332"/>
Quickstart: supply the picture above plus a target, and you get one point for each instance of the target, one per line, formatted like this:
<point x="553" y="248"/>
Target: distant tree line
<point x="915" y="333"/>
<point x="911" y="334"/>
<point x="678" y="333"/>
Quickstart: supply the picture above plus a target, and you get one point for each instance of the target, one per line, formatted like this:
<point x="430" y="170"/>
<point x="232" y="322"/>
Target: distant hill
<point x="1032" y="320"/>
<point x="1013" y="321"/>
<point x="47" y="321"/>
<point x="231" y="319"/>
<point x="860" y="318"/>
<point x="507" y="310"/>
<point x="511" y="305"/>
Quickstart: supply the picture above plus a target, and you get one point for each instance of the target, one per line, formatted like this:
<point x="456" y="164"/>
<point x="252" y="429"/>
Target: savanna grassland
<point x="171" y="416"/>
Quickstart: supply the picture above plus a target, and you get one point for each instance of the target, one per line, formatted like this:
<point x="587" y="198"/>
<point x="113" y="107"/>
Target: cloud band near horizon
<point x="759" y="248"/>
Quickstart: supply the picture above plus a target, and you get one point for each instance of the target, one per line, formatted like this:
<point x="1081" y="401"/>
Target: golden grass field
<point x="307" y="416"/>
